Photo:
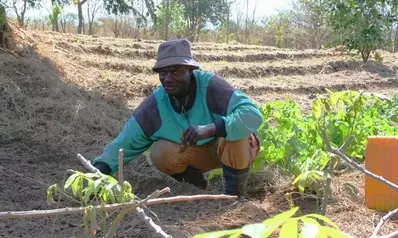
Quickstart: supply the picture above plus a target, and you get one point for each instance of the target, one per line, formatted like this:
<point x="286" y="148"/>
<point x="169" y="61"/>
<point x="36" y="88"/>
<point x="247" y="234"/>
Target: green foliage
<point x="292" y="140"/>
<point x="198" y="13"/>
<point x="361" y="25"/>
<point x="280" y="26"/>
<point x="289" y="227"/>
<point x="89" y="189"/>
<point x="56" y="11"/>
<point x="171" y="17"/>
<point x="3" y="17"/>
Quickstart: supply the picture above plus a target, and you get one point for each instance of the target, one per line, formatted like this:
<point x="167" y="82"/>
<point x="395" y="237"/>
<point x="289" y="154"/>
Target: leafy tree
<point x="310" y="19"/>
<point x="200" y="12"/>
<point x="170" y="19"/>
<point x="279" y="29"/>
<point x="361" y="25"/>
<point x="56" y="11"/>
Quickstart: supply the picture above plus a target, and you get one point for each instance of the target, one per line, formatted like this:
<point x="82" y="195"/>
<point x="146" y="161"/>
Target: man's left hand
<point x="193" y="134"/>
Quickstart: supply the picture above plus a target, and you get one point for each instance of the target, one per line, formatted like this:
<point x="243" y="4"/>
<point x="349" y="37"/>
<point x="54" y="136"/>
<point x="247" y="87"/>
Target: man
<point x="196" y="122"/>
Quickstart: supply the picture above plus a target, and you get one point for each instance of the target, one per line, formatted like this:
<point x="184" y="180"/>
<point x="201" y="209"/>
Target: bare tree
<point x="20" y="7"/>
<point x="93" y="7"/>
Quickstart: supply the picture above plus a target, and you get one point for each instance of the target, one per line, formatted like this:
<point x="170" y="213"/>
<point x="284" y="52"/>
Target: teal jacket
<point x="212" y="100"/>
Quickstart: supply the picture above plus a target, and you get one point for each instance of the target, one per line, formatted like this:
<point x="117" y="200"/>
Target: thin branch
<point x="87" y="164"/>
<point x="346" y="144"/>
<point x="383" y="220"/>
<point x="391" y="235"/>
<point x="134" y="204"/>
<point x="344" y="157"/>
<point x="149" y="222"/>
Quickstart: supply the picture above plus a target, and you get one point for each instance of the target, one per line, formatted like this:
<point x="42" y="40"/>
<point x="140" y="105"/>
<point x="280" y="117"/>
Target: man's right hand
<point x="103" y="167"/>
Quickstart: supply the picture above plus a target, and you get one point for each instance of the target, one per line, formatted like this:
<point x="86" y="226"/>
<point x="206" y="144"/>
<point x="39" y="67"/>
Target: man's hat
<point x="175" y="52"/>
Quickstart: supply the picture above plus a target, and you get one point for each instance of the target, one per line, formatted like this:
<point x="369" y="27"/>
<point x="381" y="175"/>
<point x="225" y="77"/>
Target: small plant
<point x="90" y="189"/>
<point x="303" y="226"/>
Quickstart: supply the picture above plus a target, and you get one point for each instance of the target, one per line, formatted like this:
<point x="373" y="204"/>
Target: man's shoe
<point x="193" y="176"/>
<point x="236" y="181"/>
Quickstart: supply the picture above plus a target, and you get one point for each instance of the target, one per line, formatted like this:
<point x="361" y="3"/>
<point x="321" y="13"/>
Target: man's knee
<point x="165" y="156"/>
<point x="238" y="154"/>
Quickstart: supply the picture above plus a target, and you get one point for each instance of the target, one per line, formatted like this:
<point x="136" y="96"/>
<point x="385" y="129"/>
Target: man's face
<point x="175" y="79"/>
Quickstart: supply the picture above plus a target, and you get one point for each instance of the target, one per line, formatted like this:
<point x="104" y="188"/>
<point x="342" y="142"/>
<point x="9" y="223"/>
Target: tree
<point x="20" y="7"/>
<point x="278" y="30"/>
<point x="310" y="19"/>
<point x="200" y="12"/>
<point x="56" y="11"/>
<point x="3" y="22"/>
<point x="360" y="25"/>
<point x="93" y="6"/>
<point x="79" y="4"/>
<point x="170" y="19"/>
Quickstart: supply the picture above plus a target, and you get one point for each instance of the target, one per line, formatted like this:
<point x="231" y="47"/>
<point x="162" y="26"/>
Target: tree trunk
<point x="5" y="30"/>
<point x="396" y="39"/>
<point x="55" y="26"/>
<point x="3" y="27"/>
<point x="80" y="13"/>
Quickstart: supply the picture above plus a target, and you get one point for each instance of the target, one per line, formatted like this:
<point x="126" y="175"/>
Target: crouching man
<point x="196" y="122"/>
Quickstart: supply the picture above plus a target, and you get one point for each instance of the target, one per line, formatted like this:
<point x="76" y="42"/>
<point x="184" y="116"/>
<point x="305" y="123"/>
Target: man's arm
<point x="133" y="142"/>
<point x="134" y="139"/>
<point x="240" y="116"/>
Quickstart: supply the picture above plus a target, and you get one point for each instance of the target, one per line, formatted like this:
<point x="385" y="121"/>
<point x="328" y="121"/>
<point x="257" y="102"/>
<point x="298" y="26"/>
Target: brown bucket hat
<point x="175" y="52"/>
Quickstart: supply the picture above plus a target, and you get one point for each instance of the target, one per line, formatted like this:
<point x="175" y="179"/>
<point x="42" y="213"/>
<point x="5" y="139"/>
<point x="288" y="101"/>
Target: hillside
<point x="66" y="94"/>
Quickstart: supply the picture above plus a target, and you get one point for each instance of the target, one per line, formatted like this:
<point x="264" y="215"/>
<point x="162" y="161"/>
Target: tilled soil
<point x="60" y="101"/>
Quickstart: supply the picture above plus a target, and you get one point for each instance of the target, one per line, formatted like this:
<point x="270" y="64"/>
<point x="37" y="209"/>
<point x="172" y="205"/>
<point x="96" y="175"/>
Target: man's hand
<point x="193" y="134"/>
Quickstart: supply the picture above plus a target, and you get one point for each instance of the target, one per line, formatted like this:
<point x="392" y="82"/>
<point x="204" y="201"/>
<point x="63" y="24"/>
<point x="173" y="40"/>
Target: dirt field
<point x="68" y="94"/>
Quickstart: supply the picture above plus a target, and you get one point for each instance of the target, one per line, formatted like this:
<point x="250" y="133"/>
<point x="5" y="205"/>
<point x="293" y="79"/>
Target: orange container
<point x="381" y="158"/>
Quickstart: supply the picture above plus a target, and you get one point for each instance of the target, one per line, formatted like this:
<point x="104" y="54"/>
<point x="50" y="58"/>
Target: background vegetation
<point x="307" y="24"/>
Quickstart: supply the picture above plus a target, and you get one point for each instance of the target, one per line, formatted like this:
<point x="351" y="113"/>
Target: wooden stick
<point x="149" y="222"/>
<point x="382" y="221"/>
<point x="121" y="165"/>
<point x="134" y="204"/>
<point x="87" y="164"/>
<point x="344" y="157"/>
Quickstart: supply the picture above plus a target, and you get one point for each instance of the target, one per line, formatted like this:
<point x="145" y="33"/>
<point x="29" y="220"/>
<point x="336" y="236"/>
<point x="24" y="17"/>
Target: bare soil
<point x="58" y="101"/>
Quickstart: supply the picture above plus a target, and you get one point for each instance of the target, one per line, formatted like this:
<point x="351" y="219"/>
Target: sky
<point x="263" y="8"/>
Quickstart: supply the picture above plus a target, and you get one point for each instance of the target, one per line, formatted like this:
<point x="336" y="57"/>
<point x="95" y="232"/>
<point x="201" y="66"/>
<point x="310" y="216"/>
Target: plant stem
<point x="327" y="190"/>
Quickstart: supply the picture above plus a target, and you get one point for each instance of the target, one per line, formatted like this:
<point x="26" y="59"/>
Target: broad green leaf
<point x="276" y="221"/>
<point x="217" y="234"/>
<point x="258" y="230"/>
<point x="323" y="218"/>
<point x="312" y="227"/>
<point x="97" y="185"/>
<point x="289" y="229"/>
<point x="109" y="190"/>
<point x="70" y="180"/>
<point x="88" y="191"/>
<point x="110" y="179"/>
<point x="91" y="175"/>
<point x="77" y="186"/>
<point x="334" y="233"/>
<point x="50" y="193"/>
<point x="310" y="230"/>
